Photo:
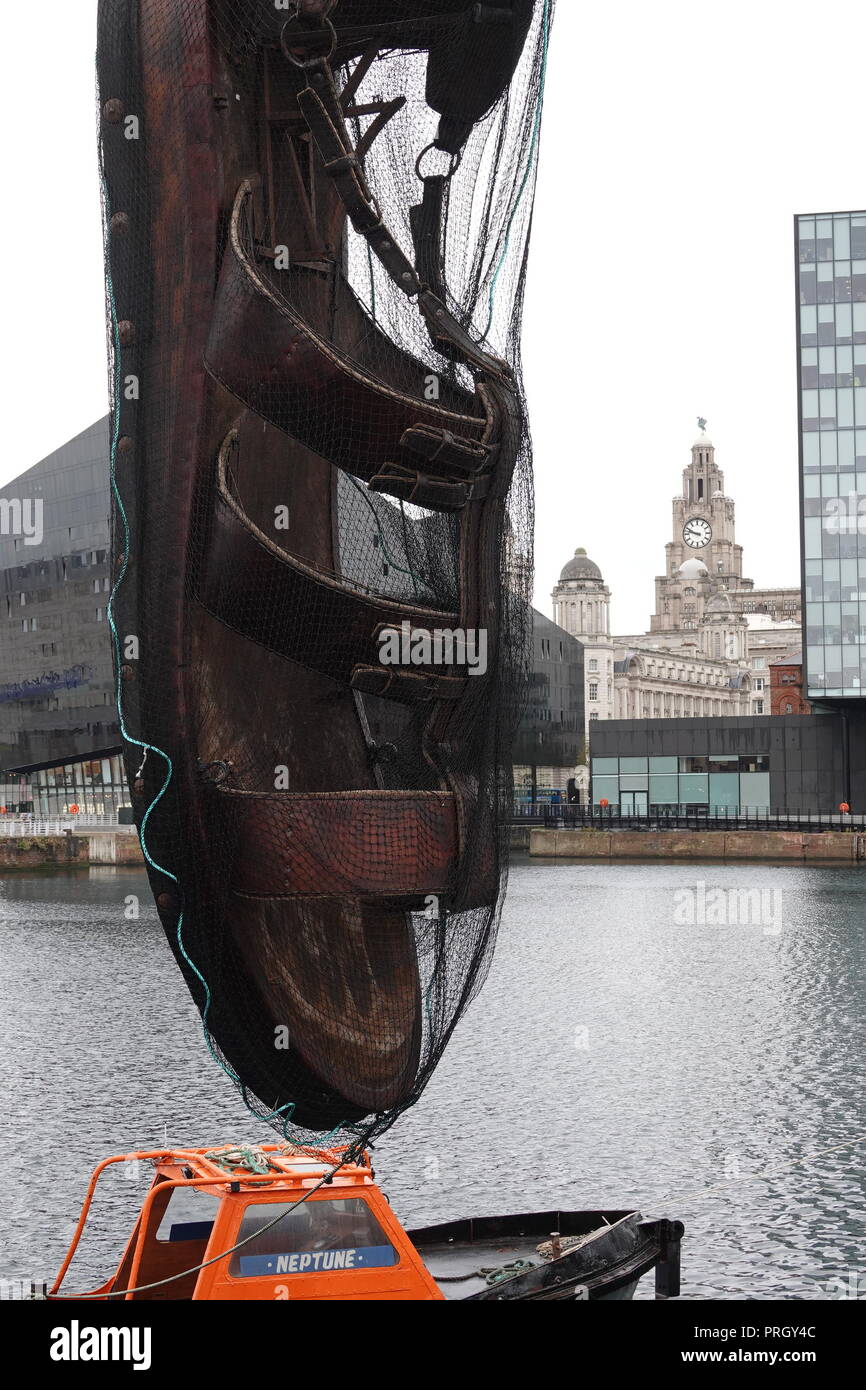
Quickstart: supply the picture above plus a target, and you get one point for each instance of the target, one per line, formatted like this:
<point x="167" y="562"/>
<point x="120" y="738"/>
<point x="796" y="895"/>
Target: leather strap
<point x="448" y="452"/>
<point x="424" y="490"/>
<point x="425" y="220"/>
<point x="241" y="564"/>
<point x="302" y="384"/>
<point x="323" y="113"/>
<point x="320" y="105"/>
<point x="410" y="687"/>
<point x="364" y="844"/>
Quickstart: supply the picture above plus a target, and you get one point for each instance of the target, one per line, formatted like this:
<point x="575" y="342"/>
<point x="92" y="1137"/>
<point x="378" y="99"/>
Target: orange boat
<point x="287" y="1223"/>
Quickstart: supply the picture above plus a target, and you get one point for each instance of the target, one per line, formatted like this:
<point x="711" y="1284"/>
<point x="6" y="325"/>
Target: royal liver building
<point x="713" y="634"/>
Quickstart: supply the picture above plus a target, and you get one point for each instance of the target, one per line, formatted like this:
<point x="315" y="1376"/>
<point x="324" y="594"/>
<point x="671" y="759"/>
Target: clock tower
<point x="703" y="557"/>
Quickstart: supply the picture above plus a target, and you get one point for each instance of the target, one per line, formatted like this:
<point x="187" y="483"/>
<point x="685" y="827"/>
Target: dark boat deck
<point x="463" y="1270"/>
<point x="602" y="1255"/>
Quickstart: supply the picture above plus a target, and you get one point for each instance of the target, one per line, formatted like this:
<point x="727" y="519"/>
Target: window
<point x="593" y="666"/>
<point x="754" y="762"/>
<point x="788" y="707"/>
<point x="759" y="684"/>
<point x="760" y="663"/>
<point x="189" y="1215"/>
<point x="593" y="690"/>
<point x="759" y="707"/>
<point x="594" y="714"/>
<point x="334" y="1234"/>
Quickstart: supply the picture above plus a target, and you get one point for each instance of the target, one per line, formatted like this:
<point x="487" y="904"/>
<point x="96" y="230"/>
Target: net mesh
<point x="316" y="225"/>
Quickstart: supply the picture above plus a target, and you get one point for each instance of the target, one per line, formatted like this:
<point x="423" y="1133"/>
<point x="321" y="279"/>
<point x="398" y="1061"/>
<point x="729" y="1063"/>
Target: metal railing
<point x="32" y="826"/>
<point x="568" y="816"/>
<point x="22" y="1290"/>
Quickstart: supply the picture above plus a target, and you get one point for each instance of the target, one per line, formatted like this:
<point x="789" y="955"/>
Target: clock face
<point x="697" y="533"/>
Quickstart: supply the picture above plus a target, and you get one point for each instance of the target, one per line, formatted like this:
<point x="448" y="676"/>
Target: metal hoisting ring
<point x="305" y="39"/>
<point x="456" y="160"/>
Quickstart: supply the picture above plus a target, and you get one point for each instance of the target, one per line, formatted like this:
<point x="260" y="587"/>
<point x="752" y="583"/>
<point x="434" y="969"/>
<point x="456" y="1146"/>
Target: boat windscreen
<point x="319" y="1236"/>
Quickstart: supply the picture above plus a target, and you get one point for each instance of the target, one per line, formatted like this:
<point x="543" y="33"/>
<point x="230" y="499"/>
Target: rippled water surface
<point x="643" y="1040"/>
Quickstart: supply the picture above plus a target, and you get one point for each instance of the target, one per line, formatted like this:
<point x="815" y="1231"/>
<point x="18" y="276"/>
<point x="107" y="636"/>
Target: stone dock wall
<point x="69" y="851"/>
<point x="831" y="846"/>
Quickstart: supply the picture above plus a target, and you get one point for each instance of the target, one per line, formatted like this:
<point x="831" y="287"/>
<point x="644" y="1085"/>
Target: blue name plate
<point x="319" y="1261"/>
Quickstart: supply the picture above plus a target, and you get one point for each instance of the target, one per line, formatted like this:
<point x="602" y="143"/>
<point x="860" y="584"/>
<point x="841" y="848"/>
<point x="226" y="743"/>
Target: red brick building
<point x="786" y="685"/>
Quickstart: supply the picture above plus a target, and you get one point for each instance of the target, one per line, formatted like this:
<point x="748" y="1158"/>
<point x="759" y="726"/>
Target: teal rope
<point x="287" y="1110"/>
<point x="536" y="131"/>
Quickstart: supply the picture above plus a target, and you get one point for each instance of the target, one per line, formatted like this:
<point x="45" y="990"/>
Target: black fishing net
<point x="316" y="223"/>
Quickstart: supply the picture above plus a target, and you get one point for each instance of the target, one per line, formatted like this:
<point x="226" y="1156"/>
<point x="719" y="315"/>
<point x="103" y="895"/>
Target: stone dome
<point x="703" y="441"/>
<point x="581" y="567"/>
<point x="693" y="569"/>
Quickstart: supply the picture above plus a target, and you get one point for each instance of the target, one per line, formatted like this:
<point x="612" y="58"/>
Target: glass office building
<point x="831" y="327"/>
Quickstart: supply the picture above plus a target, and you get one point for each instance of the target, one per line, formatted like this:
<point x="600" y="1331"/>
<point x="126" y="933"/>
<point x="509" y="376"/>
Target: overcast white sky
<point x="680" y="138"/>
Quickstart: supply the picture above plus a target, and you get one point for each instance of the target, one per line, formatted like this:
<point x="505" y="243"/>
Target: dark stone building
<point x="59" y="734"/>
<point x="550" y="742"/>
<point x="796" y="762"/>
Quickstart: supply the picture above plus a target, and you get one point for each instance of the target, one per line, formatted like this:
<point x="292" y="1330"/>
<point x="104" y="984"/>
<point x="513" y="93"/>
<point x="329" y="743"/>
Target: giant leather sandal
<point x="321" y="825"/>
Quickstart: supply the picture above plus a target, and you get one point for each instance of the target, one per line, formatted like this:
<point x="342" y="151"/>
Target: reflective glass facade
<point x="551" y="731"/>
<point x="57" y="702"/>
<point x="91" y="787"/>
<point x="831" y="327"/>
<point x="720" y="783"/>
